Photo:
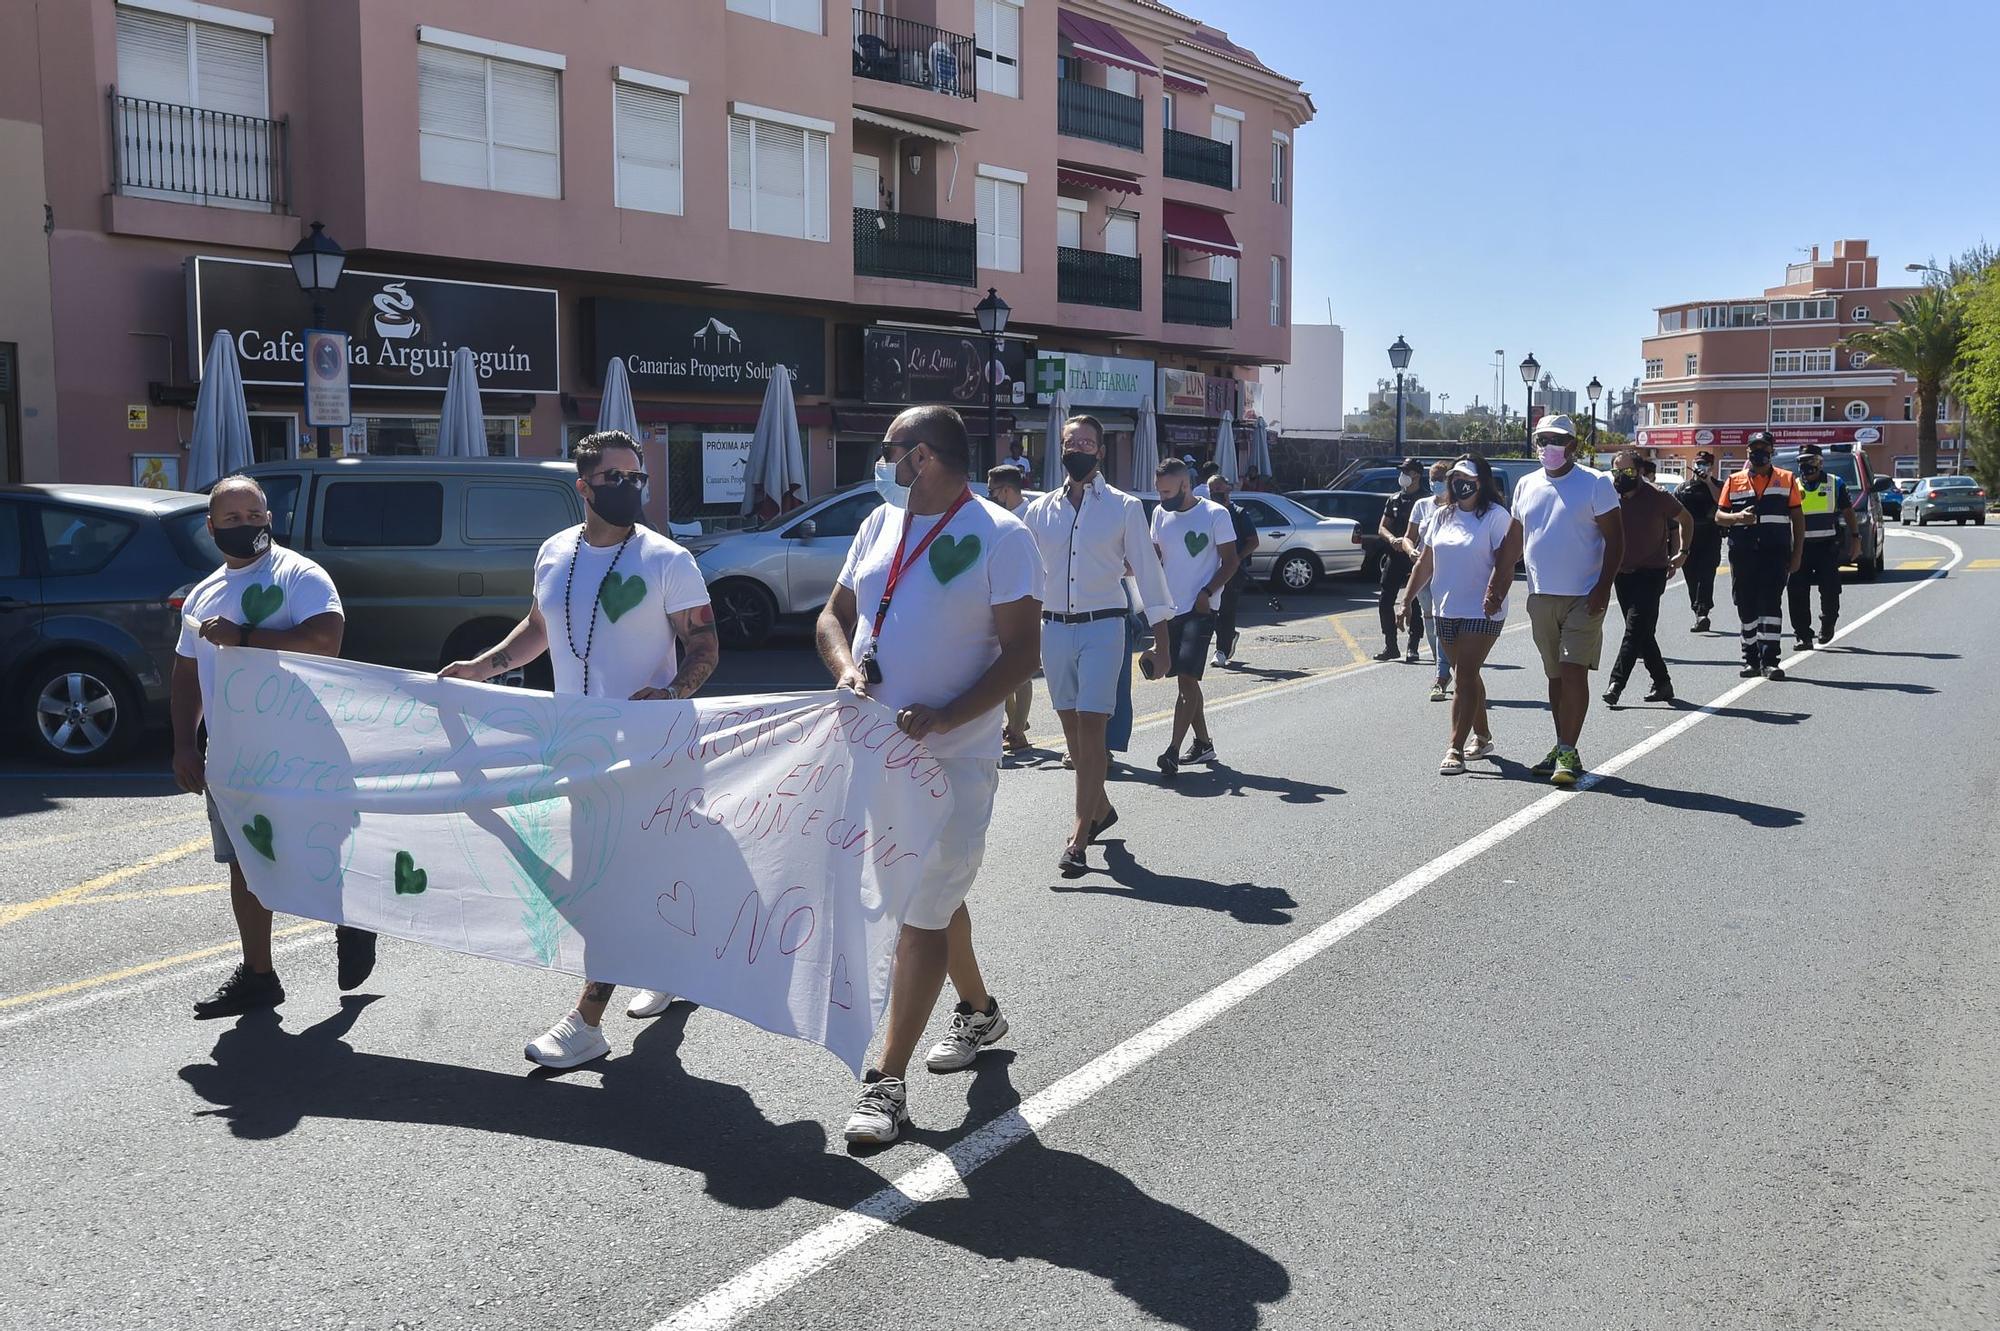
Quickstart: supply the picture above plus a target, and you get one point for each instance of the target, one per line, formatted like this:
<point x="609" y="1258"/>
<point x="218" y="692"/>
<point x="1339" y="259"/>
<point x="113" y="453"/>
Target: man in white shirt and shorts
<point x="1196" y="541"/>
<point x="622" y="612"/>
<point x="1088" y="533"/>
<point x="936" y="616"/>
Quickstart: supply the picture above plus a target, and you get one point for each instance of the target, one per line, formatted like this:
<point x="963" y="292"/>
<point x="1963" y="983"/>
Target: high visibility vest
<point x="1773" y="501"/>
<point x="1821" y="505"/>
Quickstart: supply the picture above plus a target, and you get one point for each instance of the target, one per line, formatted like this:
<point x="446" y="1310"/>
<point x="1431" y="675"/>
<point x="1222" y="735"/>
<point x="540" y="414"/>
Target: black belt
<point x="1087" y="617"/>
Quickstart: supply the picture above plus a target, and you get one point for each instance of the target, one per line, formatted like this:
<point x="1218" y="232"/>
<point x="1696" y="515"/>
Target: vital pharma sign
<point x="401" y="330"/>
<point x="1099" y="381"/>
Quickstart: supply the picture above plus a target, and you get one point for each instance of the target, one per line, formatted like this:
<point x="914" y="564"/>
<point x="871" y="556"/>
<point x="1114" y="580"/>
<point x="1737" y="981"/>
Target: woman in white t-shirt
<point x="1470" y="551"/>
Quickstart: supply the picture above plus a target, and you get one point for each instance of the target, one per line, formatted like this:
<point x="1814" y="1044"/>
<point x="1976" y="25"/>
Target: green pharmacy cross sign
<point x="1050" y="375"/>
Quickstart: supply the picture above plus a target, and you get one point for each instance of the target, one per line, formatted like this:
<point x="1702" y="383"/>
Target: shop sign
<point x="327" y="400"/>
<point x="137" y="416"/>
<point x="918" y="366"/>
<point x="725" y="458"/>
<point x="1738" y="436"/>
<point x="670" y="348"/>
<point x="1183" y="393"/>
<point x="1095" y="381"/>
<point x="1220" y="397"/>
<point x="1252" y="391"/>
<point x="401" y="330"/>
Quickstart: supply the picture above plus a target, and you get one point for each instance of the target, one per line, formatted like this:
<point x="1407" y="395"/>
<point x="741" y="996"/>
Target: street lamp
<point x="1530" y="368"/>
<point x="992" y="315"/>
<point x="1399" y="357"/>
<point x="317" y="262"/>
<point x="1594" y="390"/>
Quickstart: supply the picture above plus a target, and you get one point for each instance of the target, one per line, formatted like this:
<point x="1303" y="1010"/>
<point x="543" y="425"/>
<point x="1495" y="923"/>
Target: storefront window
<point x="701" y="485"/>
<point x="416" y="436"/>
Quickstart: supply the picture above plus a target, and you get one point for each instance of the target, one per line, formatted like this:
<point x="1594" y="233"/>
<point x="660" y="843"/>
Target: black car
<point x="1363" y="508"/>
<point x="89" y="611"/>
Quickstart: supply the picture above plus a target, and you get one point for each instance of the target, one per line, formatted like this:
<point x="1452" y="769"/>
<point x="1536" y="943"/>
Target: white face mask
<point x="1555" y="456"/>
<point x="1409" y="482"/>
<point x="894" y="495"/>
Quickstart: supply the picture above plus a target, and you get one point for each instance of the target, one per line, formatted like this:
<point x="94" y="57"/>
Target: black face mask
<point x="1760" y="457"/>
<point x="1625" y="484"/>
<point x="1462" y="488"/>
<point x="619" y="504"/>
<point x="1079" y="465"/>
<point x="242" y="542"/>
<point x="1181" y="501"/>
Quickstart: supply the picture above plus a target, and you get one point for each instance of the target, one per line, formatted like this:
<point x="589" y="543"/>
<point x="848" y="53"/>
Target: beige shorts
<point x="1566" y="633"/>
<point x="953" y="861"/>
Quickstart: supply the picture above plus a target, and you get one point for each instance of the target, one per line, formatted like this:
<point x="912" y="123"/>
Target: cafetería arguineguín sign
<point x="402" y="330"/>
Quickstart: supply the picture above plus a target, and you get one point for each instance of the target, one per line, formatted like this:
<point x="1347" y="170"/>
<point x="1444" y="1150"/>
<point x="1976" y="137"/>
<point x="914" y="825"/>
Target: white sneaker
<point x="1219" y="659"/>
<point x="569" y="1043"/>
<point x="880" y="1113"/>
<point x="970" y="1032"/>
<point x="1481" y="746"/>
<point x="650" y="1003"/>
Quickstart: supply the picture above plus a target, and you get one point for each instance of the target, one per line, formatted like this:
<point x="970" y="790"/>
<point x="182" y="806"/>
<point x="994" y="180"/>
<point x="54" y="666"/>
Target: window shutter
<point x="742" y="135"/>
<point x="1277" y="292"/>
<point x="649" y="148"/>
<point x="229" y="71"/>
<point x="1121" y="235"/>
<point x="527" y="129"/>
<point x="1007" y="47"/>
<point x="818" y="187"/>
<point x="987" y="209"/>
<point x="781" y="179"/>
<point x="1069" y="229"/>
<point x="1007" y="249"/>
<point x="1222" y="268"/>
<point x="451" y="117"/>
<point x="797" y="14"/>
<point x="867" y="182"/>
<point x="153" y="57"/>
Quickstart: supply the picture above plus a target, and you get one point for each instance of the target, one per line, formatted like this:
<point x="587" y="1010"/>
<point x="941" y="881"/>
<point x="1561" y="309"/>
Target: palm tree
<point x="1924" y="343"/>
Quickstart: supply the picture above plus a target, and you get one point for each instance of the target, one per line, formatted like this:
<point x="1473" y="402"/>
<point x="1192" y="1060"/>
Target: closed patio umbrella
<point x="774" y="479"/>
<point x="614" y="409"/>
<point x="1225" y="447"/>
<point x="1145" y="447"/>
<point x="1052" y="472"/>
<point x="1260" y="451"/>
<point x="462" y="426"/>
<point x="221" y="442"/>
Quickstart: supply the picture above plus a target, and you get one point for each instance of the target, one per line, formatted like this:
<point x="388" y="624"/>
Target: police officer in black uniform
<point x="1828" y="509"/>
<point x="1698" y="495"/>
<point x="1396" y="562"/>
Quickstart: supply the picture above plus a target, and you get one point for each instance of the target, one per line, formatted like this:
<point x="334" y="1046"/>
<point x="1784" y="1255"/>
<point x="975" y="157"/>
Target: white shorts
<point x="953" y="861"/>
<point x="1081" y="663"/>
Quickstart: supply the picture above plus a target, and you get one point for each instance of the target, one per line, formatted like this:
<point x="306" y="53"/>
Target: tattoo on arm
<point x="500" y="659"/>
<point x="696" y="630"/>
<point x="598" y="992"/>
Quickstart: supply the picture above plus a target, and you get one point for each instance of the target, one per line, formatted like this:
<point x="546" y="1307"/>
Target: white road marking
<point x="775" y="1275"/>
<point x="91" y="998"/>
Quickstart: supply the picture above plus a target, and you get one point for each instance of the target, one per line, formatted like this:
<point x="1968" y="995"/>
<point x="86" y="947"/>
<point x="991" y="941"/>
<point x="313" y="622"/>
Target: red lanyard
<point x="898" y="565"/>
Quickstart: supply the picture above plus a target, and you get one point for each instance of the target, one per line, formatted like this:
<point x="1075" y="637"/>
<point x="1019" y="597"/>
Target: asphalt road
<point x="1327" y="1040"/>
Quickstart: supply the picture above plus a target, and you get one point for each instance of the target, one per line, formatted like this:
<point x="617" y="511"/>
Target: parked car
<point x="1296" y="547"/>
<point x="1906" y="484"/>
<point x="434" y="557"/>
<point x="1844" y="461"/>
<point x="1959" y="499"/>
<point x="785" y="566"/>
<point x="1892" y="498"/>
<point x="89" y="614"/>
<point x="1361" y="507"/>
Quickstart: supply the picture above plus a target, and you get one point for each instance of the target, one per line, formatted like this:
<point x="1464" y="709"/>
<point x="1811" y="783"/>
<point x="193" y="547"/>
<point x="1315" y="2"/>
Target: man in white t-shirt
<point x="1573" y="539"/>
<point x="263" y="596"/>
<point x="936" y="615"/>
<point x="1196" y="541"/>
<point x="622" y="612"/>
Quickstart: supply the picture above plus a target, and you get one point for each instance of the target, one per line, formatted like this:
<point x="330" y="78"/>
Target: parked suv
<point x="89" y="612"/>
<point x="434" y="557"/>
<point x="1844" y="461"/>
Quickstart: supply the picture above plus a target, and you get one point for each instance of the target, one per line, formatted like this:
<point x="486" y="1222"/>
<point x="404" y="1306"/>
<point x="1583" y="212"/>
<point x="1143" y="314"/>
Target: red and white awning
<point x="1098" y="180"/>
<point x="1183" y="82"/>
<point x="1094" y="39"/>
<point x="1198" y="229"/>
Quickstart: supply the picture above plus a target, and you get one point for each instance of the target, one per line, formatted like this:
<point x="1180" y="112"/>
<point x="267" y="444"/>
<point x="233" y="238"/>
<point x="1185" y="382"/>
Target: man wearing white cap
<point x="1573" y="539"/>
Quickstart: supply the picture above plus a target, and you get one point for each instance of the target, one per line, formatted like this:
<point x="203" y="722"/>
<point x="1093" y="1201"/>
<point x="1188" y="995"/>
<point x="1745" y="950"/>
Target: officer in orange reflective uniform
<point x="1760" y="509"/>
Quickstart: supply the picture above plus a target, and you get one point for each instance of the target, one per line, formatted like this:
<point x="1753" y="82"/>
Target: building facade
<point x="1304" y="397"/>
<point x="1717" y="370"/>
<point x="701" y="190"/>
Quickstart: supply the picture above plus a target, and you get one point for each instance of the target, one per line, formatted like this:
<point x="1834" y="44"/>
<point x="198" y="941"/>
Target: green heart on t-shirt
<point x="261" y="602"/>
<point x="1197" y="541"/>
<point x="620" y="593"/>
<point x="952" y="556"/>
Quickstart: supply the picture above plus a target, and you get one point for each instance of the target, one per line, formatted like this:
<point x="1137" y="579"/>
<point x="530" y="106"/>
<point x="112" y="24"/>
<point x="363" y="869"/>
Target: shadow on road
<point x="1862" y="685"/>
<point x="1843" y="648"/>
<point x="1700" y="801"/>
<point x="1221" y="780"/>
<point x="1246" y="903"/>
<point x="1033" y="1201"/>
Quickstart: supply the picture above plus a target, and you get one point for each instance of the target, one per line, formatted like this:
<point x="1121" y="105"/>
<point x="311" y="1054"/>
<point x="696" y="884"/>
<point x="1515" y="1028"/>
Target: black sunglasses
<point x="613" y="476"/>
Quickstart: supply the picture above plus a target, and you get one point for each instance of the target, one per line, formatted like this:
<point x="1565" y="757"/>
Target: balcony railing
<point x="1204" y="161"/>
<point x="921" y="249"/>
<point x="916" y="55"/>
<point x="1196" y="300"/>
<point x="162" y="150"/>
<point x="1087" y="277"/>
<point x="1085" y="111"/>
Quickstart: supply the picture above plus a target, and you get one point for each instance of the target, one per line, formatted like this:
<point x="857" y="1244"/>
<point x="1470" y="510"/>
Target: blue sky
<point x="1539" y="177"/>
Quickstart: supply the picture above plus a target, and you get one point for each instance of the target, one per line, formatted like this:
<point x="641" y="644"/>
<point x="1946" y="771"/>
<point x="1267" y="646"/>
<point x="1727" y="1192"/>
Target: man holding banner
<point x="949" y="583"/>
<point x="623" y="612"/>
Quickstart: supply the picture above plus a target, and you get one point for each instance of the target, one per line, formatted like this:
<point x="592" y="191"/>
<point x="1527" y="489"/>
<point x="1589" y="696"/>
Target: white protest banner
<point x="753" y="854"/>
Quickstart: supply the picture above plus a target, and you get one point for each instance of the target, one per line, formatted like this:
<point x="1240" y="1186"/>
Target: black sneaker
<point x="1750" y="672"/>
<point x="1700" y="624"/>
<point x="1774" y="672"/>
<point x="1411" y="658"/>
<point x="1199" y="751"/>
<point x="354" y="953"/>
<point x="1804" y="640"/>
<point x="1826" y="631"/>
<point x="1661" y="693"/>
<point x="1612" y="694"/>
<point x="1388" y="654"/>
<point x="244" y="991"/>
<point x="1170" y="763"/>
<point x="1072" y="863"/>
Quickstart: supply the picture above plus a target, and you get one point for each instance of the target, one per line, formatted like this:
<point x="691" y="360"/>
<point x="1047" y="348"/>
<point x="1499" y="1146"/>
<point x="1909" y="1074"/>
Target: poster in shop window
<point x="724" y="460"/>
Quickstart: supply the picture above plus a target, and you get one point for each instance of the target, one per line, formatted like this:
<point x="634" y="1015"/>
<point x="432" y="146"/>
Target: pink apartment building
<point x="1718" y="370"/>
<point x="700" y="188"/>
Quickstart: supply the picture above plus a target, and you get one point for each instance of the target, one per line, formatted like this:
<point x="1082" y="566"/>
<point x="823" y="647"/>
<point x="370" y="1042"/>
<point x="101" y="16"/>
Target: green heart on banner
<point x="1197" y="541"/>
<point x="952" y="556"/>
<point x="258" y="833"/>
<point x="260" y="602"/>
<point x="410" y="880"/>
<point x="621" y="593"/>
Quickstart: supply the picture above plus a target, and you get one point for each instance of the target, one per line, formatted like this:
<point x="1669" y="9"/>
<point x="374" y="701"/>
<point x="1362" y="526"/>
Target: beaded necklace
<point x="569" y="611"/>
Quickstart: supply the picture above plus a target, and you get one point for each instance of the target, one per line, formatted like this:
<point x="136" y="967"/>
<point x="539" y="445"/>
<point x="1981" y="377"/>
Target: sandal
<point x="1453" y="764"/>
